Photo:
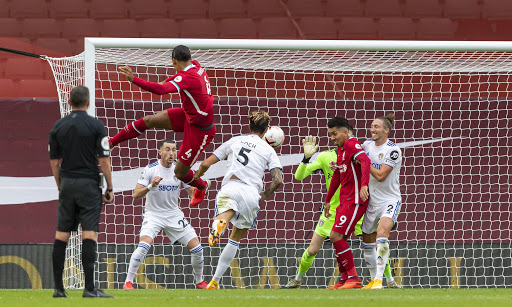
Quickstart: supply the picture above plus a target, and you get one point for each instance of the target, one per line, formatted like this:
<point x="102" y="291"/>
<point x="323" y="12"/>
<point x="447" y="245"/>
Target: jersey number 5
<point x="242" y="154"/>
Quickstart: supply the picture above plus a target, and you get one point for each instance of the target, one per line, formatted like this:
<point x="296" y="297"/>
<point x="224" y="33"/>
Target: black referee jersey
<point x="78" y="139"/>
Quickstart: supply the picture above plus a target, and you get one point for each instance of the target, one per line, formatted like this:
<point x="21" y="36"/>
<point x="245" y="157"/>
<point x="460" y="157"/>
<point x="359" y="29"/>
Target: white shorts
<point x="241" y="198"/>
<point x="177" y="228"/>
<point x="373" y="214"/>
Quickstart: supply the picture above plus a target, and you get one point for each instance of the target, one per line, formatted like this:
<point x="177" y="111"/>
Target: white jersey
<point x="389" y="154"/>
<point x="248" y="158"/>
<point x="163" y="199"/>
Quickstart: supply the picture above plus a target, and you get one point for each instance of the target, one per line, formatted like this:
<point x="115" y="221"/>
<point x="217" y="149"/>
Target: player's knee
<point x="312" y="251"/>
<point x="149" y="120"/>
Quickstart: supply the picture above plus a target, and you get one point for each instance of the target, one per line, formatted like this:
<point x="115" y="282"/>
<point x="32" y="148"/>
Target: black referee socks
<point x="58" y="258"/>
<point x="88" y="260"/>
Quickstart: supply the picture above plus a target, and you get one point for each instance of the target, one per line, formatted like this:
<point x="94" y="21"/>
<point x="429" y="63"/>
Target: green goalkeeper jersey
<point x="321" y="163"/>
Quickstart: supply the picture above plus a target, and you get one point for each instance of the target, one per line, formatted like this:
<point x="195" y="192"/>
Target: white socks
<point x="370" y="258"/>
<point x="135" y="261"/>
<point x="227" y="255"/>
<point x="197" y="263"/>
<point x="382" y="256"/>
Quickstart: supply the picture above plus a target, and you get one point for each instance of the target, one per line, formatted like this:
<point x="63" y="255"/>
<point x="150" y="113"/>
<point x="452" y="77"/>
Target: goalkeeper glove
<point x="310" y="147"/>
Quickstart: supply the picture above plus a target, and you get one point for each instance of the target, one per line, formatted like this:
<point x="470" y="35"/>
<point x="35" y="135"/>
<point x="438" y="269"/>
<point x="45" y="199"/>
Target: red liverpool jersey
<point x="349" y="173"/>
<point x="193" y="85"/>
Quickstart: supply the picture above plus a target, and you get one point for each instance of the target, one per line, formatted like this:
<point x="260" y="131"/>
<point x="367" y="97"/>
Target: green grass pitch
<point x="268" y="298"/>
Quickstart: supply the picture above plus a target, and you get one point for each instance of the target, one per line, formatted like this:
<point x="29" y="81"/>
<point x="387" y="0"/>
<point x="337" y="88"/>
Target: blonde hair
<point x="388" y="120"/>
<point x="259" y="121"/>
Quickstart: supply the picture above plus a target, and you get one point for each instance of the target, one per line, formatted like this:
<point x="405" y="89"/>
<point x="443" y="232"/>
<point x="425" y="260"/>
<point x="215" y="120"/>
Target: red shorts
<point x="347" y="217"/>
<point x="194" y="138"/>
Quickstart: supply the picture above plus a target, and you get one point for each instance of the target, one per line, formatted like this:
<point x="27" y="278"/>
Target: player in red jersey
<point x="194" y="118"/>
<point x="353" y="178"/>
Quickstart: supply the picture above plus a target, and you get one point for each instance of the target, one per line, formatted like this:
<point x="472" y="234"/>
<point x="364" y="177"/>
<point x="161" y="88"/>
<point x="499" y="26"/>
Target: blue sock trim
<point x="144" y="245"/>
<point x="196" y="250"/>
<point x="368" y="245"/>
<point x="382" y="240"/>
<point x="234" y="243"/>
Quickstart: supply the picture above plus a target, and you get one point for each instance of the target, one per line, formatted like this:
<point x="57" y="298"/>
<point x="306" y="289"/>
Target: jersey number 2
<point x="242" y="154"/>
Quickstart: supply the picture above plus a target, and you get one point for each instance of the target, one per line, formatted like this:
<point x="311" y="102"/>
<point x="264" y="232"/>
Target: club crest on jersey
<point x="177" y="79"/>
<point x="358" y="146"/>
<point x="321" y="223"/>
<point x="381" y="155"/>
<point x="175" y="178"/>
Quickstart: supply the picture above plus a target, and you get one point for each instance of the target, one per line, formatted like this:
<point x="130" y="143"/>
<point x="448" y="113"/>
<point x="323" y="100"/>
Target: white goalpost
<point x="452" y="107"/>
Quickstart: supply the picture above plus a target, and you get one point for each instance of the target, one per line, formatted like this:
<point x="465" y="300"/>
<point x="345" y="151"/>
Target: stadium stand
<point x="227" y="9"/>
<point x="101" y="9"/>
<point x="396" y="28"/>
<point x="379" y="8"/>
<point x="347" y="8"/>
<point x="196" y="28"/>
<point x="357" y="28"/>
<point x="265" y="9"/>
<point x="276" y="27"/>
<point x="423" y="8"/>
<point x="237" y="28"/>
<point x="318" y="27"/>
<point x="41" y="27"/>
<point x="496" y="9"/>
<point x="300" y="8"/>
<point x="120" y="28"/>
<point x="462" y="9"/>
<point x="28" y="9"/>
<point x="69" y="9"/>
<point x="436" y="28"/>
<point x="153" y="9"/>
<point x="192" y="10"/>
<point x="160" y="28"/>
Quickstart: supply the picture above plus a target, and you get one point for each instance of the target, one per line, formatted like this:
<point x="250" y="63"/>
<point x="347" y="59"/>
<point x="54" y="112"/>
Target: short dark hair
<point x="339" y="122"/>
<point x="181" y="53"/>
<point x="161" y="143"/>
<point x="259" y="121"/>
<point x="79" y="96"/>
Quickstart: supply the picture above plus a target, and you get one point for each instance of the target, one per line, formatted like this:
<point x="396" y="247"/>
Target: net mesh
<point x="452" y="113"/>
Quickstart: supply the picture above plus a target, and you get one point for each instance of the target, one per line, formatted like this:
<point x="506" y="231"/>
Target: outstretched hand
<point x="310" y="146"/>
<point x="127" y="72"/>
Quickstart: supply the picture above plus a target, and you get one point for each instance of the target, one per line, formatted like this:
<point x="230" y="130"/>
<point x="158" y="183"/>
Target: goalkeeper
<point x="324" y="226"/>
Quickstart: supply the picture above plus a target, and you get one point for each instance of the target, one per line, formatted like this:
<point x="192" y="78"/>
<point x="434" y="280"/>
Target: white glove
<point x="310" y="146"/>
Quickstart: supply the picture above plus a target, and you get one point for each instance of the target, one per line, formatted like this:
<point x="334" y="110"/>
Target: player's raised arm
<point x="305" y="168"/>
<point x="153" y="87"/>
<point x="205" y="165"/>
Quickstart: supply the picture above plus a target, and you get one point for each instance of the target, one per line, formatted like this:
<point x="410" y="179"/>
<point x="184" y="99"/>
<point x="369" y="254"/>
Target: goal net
<point x="452" y="108"/>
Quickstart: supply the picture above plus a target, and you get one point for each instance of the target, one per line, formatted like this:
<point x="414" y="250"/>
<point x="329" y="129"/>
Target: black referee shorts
<point x="80" y="202"/>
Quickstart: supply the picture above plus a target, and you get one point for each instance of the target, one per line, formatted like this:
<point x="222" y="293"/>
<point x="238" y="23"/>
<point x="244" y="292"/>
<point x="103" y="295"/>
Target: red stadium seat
<point x="301" y="8"/>
<point x="436" y="28"/>
<point x="69" y="9"/>
<point x="23" y="67"/>
<point x="193" y="9"/>
<point x="160" y="28"/>
<point x="227" y="9"/>
<point x="265" y="9"/>
<point x="60" y="45"/>
<point x="38" y="88"/>
<point x="28" y="9"/>
<point x="475" y="29"/>
<point x="10" y="27"/>
<point x="9" y="88"/>
<point x="237" y="28"/>
<point x="149" y="9"/>
<point x="423" y="8"/>
<point x="276" y="27"/>
<point x="102" y="9"/>
<point x="119" y="28"/>
<point x="198" y="28"/>
<point x="4" y="13"/>
<point x="503" y="30"/>
<point x="396" y="28"/>
<point x="318" y="27"/>
<point x="497" y="9"/>
<point x="80" y="28"/>
<point x="379" y="8"/>
<point x="37" y="28"/>
<point x="357" y="28"/>
<point x="346" y="8"/>
<point x="462" y="9"/>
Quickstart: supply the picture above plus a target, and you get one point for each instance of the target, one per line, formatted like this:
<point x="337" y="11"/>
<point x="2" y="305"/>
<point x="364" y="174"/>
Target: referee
<point x="77" y="143"/>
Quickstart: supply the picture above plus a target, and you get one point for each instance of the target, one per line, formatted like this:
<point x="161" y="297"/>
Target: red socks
<point x="345" y="259"/>
<point x="198" y="183"/>
<point x="129" y="132"/>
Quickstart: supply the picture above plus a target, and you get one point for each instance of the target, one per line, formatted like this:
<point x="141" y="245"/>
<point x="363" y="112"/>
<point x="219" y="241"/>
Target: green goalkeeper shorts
<point x="324" y="226"/>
